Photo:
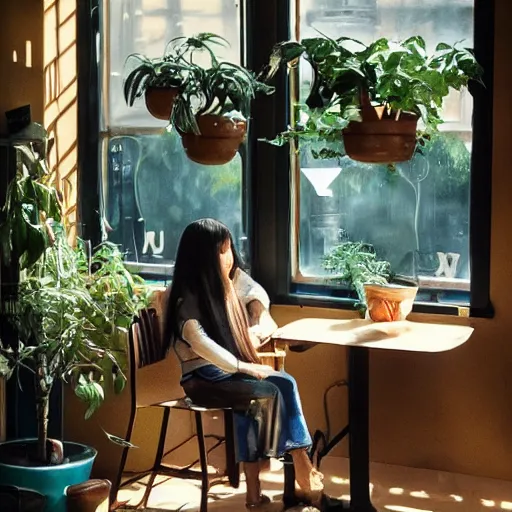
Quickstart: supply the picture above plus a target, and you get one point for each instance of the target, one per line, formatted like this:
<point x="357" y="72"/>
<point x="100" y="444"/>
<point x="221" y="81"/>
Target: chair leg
<point x="117" y="482"/>
<point x="158" y="459"/>
<point x="232" y="466"/>
<point x="203" y="457"/>
<point x="289" y="496"/>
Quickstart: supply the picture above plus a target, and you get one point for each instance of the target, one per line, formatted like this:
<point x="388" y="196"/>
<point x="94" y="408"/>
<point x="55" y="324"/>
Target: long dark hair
<point x="197" y="283"/>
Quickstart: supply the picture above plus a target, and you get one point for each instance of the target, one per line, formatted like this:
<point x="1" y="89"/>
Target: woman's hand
<point x="260" y="371"/>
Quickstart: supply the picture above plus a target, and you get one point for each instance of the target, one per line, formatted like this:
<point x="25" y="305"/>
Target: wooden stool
<point x="91" y="496"/>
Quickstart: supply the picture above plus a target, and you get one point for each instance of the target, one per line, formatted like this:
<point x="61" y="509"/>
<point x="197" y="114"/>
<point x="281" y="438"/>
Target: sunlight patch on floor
<point x="393" y="489"/>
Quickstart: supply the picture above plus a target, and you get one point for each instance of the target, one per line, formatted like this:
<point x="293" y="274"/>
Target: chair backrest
<point x="147" y="344"/>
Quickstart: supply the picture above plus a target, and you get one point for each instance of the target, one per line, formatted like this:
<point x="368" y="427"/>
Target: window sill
<point x="284" y="314"/>
<point x="345" y="308"/>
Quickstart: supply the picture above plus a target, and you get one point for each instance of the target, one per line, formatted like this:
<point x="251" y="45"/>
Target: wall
<point x="24" y="68"/>
<point x="38" y="54"/>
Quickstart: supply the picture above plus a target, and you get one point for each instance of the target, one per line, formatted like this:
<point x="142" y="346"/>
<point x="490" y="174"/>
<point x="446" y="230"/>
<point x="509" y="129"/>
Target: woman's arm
<point x="205" y="347"/>
<point x="257" y="302"/>
<point x="262" y="323"/>
<point x="202" y="345"/>
<point x="249" y="290"/>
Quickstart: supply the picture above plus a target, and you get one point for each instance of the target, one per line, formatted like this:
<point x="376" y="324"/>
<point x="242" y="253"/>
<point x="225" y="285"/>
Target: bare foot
<point x="308" y="478"/>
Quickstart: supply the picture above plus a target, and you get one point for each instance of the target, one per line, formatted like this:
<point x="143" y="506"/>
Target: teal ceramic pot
<point x="51" y="481"/>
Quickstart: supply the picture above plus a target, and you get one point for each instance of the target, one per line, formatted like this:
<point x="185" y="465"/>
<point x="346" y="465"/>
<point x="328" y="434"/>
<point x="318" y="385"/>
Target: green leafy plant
<point x="356" y="263"/>
<point x="224" y="89"/>
<point x="71" y="312"/>
<point x="395" y="78"/>
<point x="29" y="199"/>
<point x="148" y="72"/>
<point x="171" y="70"/>
<point x="186" y="47"/>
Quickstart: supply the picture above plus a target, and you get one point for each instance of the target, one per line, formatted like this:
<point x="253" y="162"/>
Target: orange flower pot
<point x="219" y="140"/>
<point x="389" y="303"/>
<point x="160" y="101"/>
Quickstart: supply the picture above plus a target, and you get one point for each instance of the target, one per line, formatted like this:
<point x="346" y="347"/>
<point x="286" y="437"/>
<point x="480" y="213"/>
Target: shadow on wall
<point x="60" y="99"/>
<point x="38" y="54"/>
<point x="21" y="58"/>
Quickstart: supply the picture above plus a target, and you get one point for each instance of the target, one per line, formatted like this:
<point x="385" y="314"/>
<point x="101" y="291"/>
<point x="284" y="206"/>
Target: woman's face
<point x="226" y="259"/>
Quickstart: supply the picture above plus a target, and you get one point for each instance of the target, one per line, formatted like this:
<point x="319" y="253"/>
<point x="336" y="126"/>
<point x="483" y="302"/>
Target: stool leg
<point x="203" y="457"/>
<point x="232" y="466"/>
<point x="289" y="498"/>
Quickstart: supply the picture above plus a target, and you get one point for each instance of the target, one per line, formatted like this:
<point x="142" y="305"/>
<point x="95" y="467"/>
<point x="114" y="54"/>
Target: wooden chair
<point x="147" y="347"/>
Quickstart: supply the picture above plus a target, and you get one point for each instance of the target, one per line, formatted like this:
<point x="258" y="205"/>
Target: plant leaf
<point x="119" y="440"/>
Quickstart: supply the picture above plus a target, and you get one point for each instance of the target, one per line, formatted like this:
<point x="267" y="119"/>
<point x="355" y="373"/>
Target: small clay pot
<point x="382" y="140"/>
<point x="160" y="101"/>
<point x="389" y="303"/>
<point x="219" y="140"/>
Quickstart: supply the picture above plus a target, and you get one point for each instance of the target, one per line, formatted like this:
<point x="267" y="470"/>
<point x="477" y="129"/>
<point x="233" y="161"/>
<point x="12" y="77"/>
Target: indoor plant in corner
<point x="381" y="295"/>
<point x="212" y="111"/>
<point x="65" y="329"/>
<point x="373" y="96"/>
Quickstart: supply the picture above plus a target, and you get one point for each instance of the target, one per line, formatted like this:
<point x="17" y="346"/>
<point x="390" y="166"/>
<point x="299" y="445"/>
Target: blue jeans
<point x="269" y="418"/>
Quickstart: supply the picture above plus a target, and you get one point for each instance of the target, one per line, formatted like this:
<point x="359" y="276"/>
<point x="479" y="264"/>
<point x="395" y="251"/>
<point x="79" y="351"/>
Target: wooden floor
<point x="393" y="488"/>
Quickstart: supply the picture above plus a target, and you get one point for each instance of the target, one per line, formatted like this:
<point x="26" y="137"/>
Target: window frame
<point x="272" y="259"/>
<point x="268" y="205"/>
<point x="96" y="130"/>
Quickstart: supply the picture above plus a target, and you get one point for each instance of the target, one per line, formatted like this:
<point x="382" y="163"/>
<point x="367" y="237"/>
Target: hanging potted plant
<point x="66" y="317"/>
<point x="160" y="80"/>
<point x="373" y="96"/>
<point x="212" y="112"/>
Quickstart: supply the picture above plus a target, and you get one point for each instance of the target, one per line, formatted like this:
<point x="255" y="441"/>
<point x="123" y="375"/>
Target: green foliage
<point x="170" y="70"/>
<point x="151" y="73"/>
<point x="222" y="89"/>
<point x="29" y="200"/>
<point x="219" y="88"/>
<point x="400" y="76"/>
<point x="72" y="309"/>
<point x="453" y="160"/>
<point x="67" y="316"/>
<point x="356" y="263"/>
<point x="183" y="47"/>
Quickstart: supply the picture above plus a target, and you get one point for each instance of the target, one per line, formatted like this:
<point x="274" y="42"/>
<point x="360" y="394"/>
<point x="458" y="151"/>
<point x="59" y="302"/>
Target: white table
<point x="359" y="336"/>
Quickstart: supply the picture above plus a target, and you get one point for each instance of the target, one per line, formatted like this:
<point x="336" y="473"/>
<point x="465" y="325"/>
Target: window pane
<point x="151" y="190"/>
<point x="146" y="26"/>
<point x="417" y="217"/>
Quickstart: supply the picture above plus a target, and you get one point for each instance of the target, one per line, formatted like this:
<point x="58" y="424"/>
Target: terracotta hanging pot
<point x="219" y="140"/>
<point x="390" y="302"/>
<point x="160" y="101"/>
<point x="381" y="136"/>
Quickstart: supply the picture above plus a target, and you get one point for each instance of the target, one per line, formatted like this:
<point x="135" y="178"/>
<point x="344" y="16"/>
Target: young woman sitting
<point x="209" y="313"/>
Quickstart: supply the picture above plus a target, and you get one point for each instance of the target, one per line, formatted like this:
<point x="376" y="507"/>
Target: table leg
<point x="358" y="407"/>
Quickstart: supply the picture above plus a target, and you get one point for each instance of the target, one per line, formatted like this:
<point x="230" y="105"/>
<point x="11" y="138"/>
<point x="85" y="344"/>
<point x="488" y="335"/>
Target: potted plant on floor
<point x="382" y="297"/>
<point x="161" y="79"/>
<point x="67" y="310"/>
<point x="212" y="111"/>
<point x="373" y="96"/>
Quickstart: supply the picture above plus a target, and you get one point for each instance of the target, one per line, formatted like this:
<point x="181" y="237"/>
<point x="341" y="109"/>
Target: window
<point x="415" y="217"/>
<point x="150" y="189"/>
<point x="430" y="219"/>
